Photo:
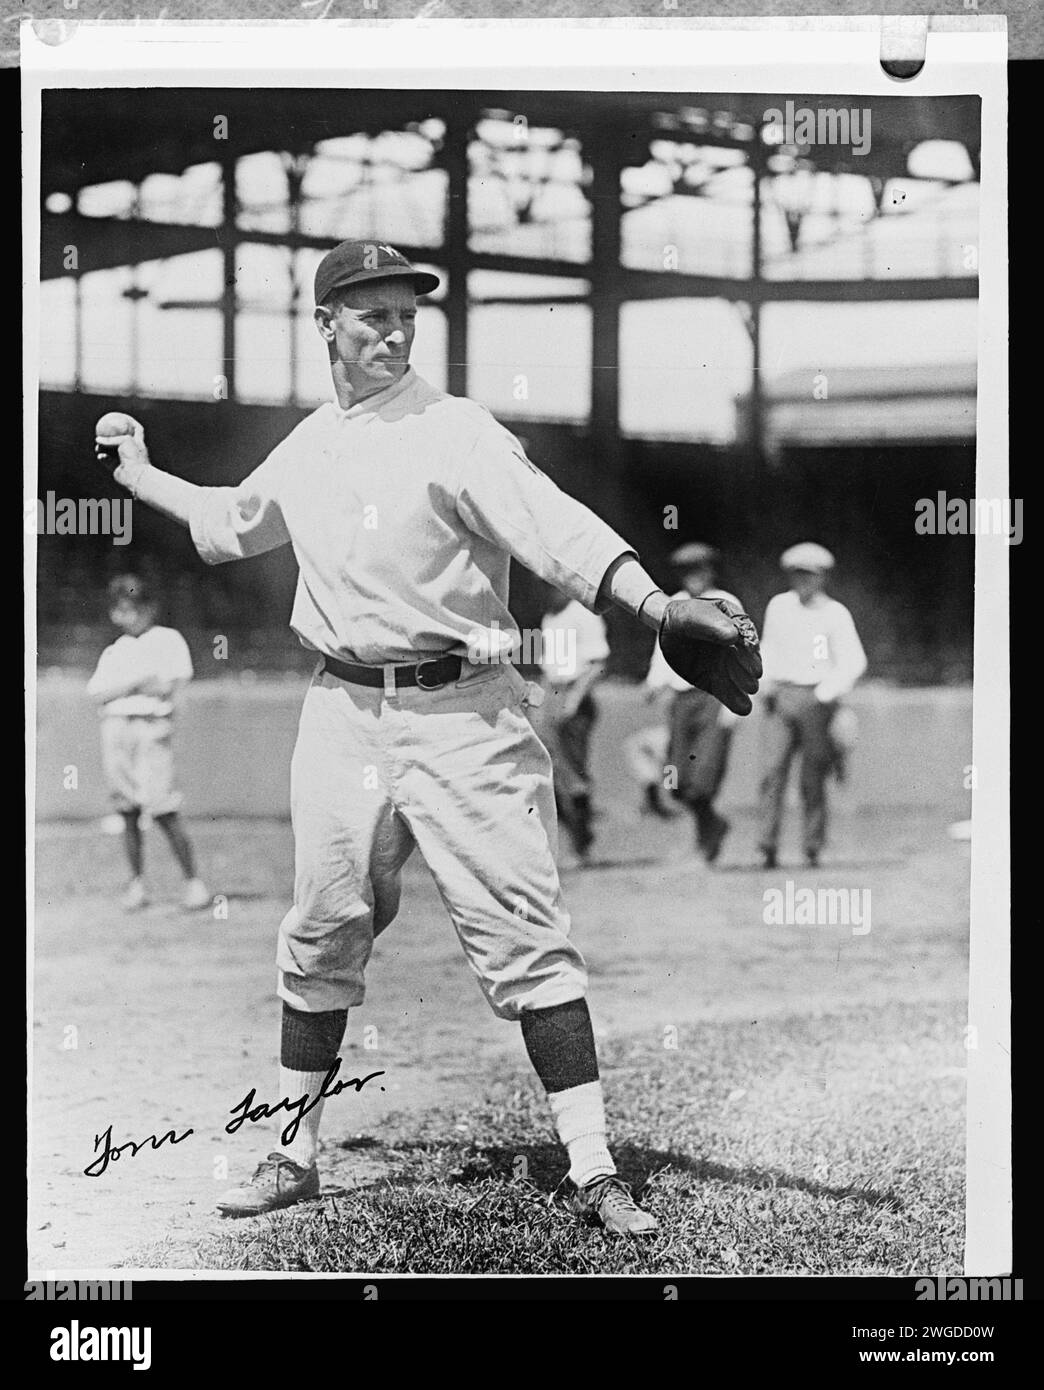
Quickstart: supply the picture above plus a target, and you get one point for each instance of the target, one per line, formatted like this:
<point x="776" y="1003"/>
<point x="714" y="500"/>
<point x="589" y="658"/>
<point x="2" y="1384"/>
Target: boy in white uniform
<point x="135" y="683"/>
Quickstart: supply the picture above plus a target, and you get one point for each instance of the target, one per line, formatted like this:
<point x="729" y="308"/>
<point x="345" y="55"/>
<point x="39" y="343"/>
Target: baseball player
<point x="813" y="657"/>
<point x="135" y="683"/>
<point x="574" y="649"/>
<point x="700" y="729"/>
<point x="404" y="506"/>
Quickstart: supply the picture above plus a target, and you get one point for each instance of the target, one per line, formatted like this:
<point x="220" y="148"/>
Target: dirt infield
<point x="164" y="1020"/>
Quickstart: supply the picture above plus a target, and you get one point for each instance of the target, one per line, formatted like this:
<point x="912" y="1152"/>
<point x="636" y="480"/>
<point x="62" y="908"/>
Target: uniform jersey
<point x="403" y="512"/>
<point x="158" y="658"/>
<point x="812" y="644"/>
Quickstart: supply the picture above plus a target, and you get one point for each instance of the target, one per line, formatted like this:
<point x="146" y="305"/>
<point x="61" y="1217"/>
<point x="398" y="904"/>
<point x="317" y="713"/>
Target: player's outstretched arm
<point x="119" y="445"/>
<point x="227" y="523"/>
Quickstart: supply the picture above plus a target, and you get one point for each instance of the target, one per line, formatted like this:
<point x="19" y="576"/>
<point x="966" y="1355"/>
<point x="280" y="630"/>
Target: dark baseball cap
<point x="353" y="262"/>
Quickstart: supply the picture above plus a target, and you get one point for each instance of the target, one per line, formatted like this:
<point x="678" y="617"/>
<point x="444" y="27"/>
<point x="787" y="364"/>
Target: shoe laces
<point x="612" y="1192"/>
<point x="272" y="1166"/>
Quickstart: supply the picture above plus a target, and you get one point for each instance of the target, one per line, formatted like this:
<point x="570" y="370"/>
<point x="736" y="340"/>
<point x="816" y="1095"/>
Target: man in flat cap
<point x="812" y="657"/>
<point x="699" y="728"/>
<point x="404" y="507"/>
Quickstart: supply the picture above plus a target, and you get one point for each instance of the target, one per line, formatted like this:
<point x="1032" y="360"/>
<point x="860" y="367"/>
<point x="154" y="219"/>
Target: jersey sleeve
<point x="233" y="523"/>
<point x="507" y="500"/>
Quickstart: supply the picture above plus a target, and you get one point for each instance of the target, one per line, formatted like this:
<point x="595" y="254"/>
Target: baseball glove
<point x="713" y="645"/>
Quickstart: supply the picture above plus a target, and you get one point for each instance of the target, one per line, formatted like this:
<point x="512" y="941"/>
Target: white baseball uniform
<point x="403" y="512"/>
<point x="136" y="679"/>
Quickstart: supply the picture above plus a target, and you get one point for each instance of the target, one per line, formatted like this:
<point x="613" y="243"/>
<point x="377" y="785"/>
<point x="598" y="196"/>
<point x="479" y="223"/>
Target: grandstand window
<point x="529" y="360"/>
<point x="869" y="373"/>
<point x="312" y="368"/>
<point x="687" y="208"/>
<point x="108" y="321"/>
<point x="839" y="226"/>
<point x="526" y="190"/>
<point x="879" y="336"/>
<point x="683" y="362"/>
<point x="263" y="354"/>
<point x="263" y="282"/>
<point x="384" y="186"/>
<point x="178" y="332"/>
<point x="192" y="198"/>
<point x="115" y="199"/>
<point x="940" y="159"/>
<point x="153" y="328"/>
<point x="262" y="193"/>
<point x="58" y="330"/>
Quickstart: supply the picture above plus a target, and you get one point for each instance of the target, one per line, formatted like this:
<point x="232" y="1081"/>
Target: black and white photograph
<point x="515" y="570"/>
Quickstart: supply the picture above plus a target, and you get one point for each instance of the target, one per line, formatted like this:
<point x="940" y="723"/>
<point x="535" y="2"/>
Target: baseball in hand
<point x="119" y="438"/>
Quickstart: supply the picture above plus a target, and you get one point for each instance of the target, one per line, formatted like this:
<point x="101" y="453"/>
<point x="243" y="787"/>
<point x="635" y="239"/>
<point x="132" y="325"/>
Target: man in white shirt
<point x="812" y="657"/>
<point x="574" y="650"/>
<point x="404" y="507"/>
<point x="700" y="729"/>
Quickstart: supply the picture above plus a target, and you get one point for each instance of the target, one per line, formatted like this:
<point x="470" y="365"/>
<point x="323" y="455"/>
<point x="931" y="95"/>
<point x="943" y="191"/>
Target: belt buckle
<point x="422" y="684"/>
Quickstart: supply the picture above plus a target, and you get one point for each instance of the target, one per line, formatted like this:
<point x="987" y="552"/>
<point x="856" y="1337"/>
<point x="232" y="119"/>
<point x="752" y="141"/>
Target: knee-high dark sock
<point x="561" y="1046"/>
<point x="132" y="842"/>
<point x="308" y="1049"/>
<point x="179" y="842"/>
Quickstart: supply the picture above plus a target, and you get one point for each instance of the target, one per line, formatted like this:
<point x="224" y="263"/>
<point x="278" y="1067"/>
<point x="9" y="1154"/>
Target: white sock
<point x="304" y="1146"/>
<point x="579" y="1115"/>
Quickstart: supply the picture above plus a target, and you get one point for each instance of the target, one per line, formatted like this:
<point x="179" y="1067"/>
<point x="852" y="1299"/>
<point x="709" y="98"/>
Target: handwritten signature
<point x="245" y="1111"/>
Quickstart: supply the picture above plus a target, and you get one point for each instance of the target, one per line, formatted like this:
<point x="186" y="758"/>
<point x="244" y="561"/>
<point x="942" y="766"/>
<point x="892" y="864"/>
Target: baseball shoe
<point x="768" y="858"/>
<point x="812" y="858"/>
<point x="197" y="895"/>
<point x="135" y="896"/>
<point x="608" y="1200"/>
<point x="277" y="1182"/>
<point x="715" y="838"/>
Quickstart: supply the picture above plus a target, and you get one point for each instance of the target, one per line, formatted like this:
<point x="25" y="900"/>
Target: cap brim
<point x="424" y="282"/>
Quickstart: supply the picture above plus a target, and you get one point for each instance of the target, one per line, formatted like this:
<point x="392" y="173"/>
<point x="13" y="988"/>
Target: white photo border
<point x="837" y="55"/>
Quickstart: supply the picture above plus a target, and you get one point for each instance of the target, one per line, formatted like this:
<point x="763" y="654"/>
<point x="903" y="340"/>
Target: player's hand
<point x="119" y="445"/>
<point x="714" y="646"/>
<point x="708" y="620"/>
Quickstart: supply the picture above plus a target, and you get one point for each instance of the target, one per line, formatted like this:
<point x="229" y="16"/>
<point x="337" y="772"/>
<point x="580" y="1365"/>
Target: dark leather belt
<point x="427" y="675"/>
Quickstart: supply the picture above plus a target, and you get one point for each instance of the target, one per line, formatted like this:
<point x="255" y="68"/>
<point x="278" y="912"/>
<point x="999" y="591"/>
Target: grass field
<point x="787" y="1099"/>
<point x="762" y="1151"/>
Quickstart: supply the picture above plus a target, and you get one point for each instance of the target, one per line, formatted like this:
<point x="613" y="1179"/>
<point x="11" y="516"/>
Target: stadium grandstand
<point x="699" y="323"/>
